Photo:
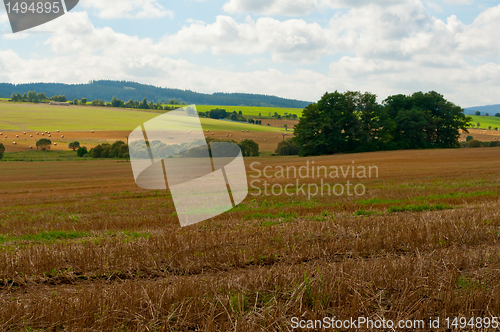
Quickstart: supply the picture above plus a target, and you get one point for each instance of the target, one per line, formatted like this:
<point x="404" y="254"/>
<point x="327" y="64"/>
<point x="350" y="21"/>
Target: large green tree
<point x="355" y="122"/>
<point x="339" y="122"/>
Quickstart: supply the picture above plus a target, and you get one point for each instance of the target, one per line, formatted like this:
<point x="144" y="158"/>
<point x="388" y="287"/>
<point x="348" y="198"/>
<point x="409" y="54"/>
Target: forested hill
<point x="105" y="90"/>
<point x="490" y="109"/>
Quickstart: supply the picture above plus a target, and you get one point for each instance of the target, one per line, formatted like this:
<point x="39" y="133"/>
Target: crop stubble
<point x="82" y="247"/>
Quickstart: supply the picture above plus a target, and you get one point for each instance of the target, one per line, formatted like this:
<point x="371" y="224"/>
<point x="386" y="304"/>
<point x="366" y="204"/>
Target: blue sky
<point x="295" y="49"/>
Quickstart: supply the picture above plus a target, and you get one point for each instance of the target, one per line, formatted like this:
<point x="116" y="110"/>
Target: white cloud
<point x="109" y="9"/>
<point x="398" y="49"/>
<point x="291" y="40"/>
<point x="458" y="2"/>
<point x="272" y="7"/>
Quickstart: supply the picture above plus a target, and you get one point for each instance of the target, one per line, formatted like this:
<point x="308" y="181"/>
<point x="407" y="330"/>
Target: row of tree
<point x="486" y="114"/>
<point x="33" y="97"/>
<point x="355" y="122"/>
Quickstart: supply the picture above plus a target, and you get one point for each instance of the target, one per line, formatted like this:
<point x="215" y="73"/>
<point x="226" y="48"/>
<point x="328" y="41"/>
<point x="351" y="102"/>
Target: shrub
<point x="494" y="144"/>
<point x="43" y="144"/>
<point x="2" y="150"/>
<point x="474" y="144"/>
<point x="287" y="148"/>
<point x="469" y="138"/>
<point x="74" y="145"/>
<point x="82" y="151"/>
<point x="249" y="148"/>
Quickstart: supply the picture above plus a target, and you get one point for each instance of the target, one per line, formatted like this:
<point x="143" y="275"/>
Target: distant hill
<point x="490" y="109"/>
<point x="105" y="90"/>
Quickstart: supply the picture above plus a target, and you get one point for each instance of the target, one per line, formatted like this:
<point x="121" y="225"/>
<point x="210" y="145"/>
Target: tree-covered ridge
<point x="355" y="122"/>
<point x="104" y="90"/>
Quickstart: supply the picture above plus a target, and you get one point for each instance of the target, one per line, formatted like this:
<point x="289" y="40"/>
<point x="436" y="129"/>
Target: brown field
<point x="481" y="135"/>
<point x="279" y="123"/>
<point x="266" y="141"/>
<point x="83" y="248"/>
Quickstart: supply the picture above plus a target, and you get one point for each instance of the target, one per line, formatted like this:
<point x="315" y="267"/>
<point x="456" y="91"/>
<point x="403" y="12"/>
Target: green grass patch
<point x="419" y="208"/>
<point x="46" y="236"/>
<point x="52" y="155"/>
<point x="364" y="213"/>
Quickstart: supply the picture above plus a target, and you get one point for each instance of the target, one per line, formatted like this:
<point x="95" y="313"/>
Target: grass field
<point x="83" y="248"/>
<point x="253" y="112"/>
<point x="486" y="121"/>
<point x="41" y="117"/>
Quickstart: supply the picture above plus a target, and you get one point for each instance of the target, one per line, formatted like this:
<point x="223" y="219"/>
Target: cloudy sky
<point x="290" y="48"/>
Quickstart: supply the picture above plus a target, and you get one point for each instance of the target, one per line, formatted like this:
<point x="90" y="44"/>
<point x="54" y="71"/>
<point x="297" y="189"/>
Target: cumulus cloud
<point x="109" y="9"/>
<point x="397" y="49"/>
<point x="272" y="7"/>
<point x="291" y="40"/>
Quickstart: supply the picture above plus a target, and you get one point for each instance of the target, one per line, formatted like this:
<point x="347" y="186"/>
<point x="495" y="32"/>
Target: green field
<point x="486" y="121"/>
<point x="252" y="111"/>
<point x="40" y="117"/>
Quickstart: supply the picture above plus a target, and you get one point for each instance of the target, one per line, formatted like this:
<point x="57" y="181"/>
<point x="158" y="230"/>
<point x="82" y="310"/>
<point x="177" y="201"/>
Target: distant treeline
<point x="355" y="122"/>
<point x="103" y="90"/>
<point x="33" y="97"/>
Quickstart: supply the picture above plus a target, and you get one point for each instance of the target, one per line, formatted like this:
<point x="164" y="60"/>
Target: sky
<point x="297" y="49"/>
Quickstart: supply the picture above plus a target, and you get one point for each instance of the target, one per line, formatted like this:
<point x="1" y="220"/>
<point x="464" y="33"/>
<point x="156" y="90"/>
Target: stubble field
<point x="83" y="248"/>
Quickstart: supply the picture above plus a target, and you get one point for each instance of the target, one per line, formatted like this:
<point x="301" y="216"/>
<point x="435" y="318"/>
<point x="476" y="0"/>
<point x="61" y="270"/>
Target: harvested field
<point x="83" y="248"/>
<point x="268" y="141"/>
<point x="481" y="135"/>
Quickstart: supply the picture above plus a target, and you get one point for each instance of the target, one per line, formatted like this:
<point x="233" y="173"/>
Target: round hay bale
<point x="62" y="136"/>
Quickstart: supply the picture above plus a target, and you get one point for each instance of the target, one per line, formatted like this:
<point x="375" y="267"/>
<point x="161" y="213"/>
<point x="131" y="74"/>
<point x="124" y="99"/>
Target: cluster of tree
<point x="195" y="149"/>
<point x="257" y="122"/>
<point x="105" y="150"/>
<point x="287" y="148"/>
<point x="473" y="143"/>
<point x="33" y="97"/>
<point x="2" y="150"/>
<point x="355" y="122"/>
<point x="103" y="90"/>
<point x="115" y="102"/>
<point x="486" y="114"/>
